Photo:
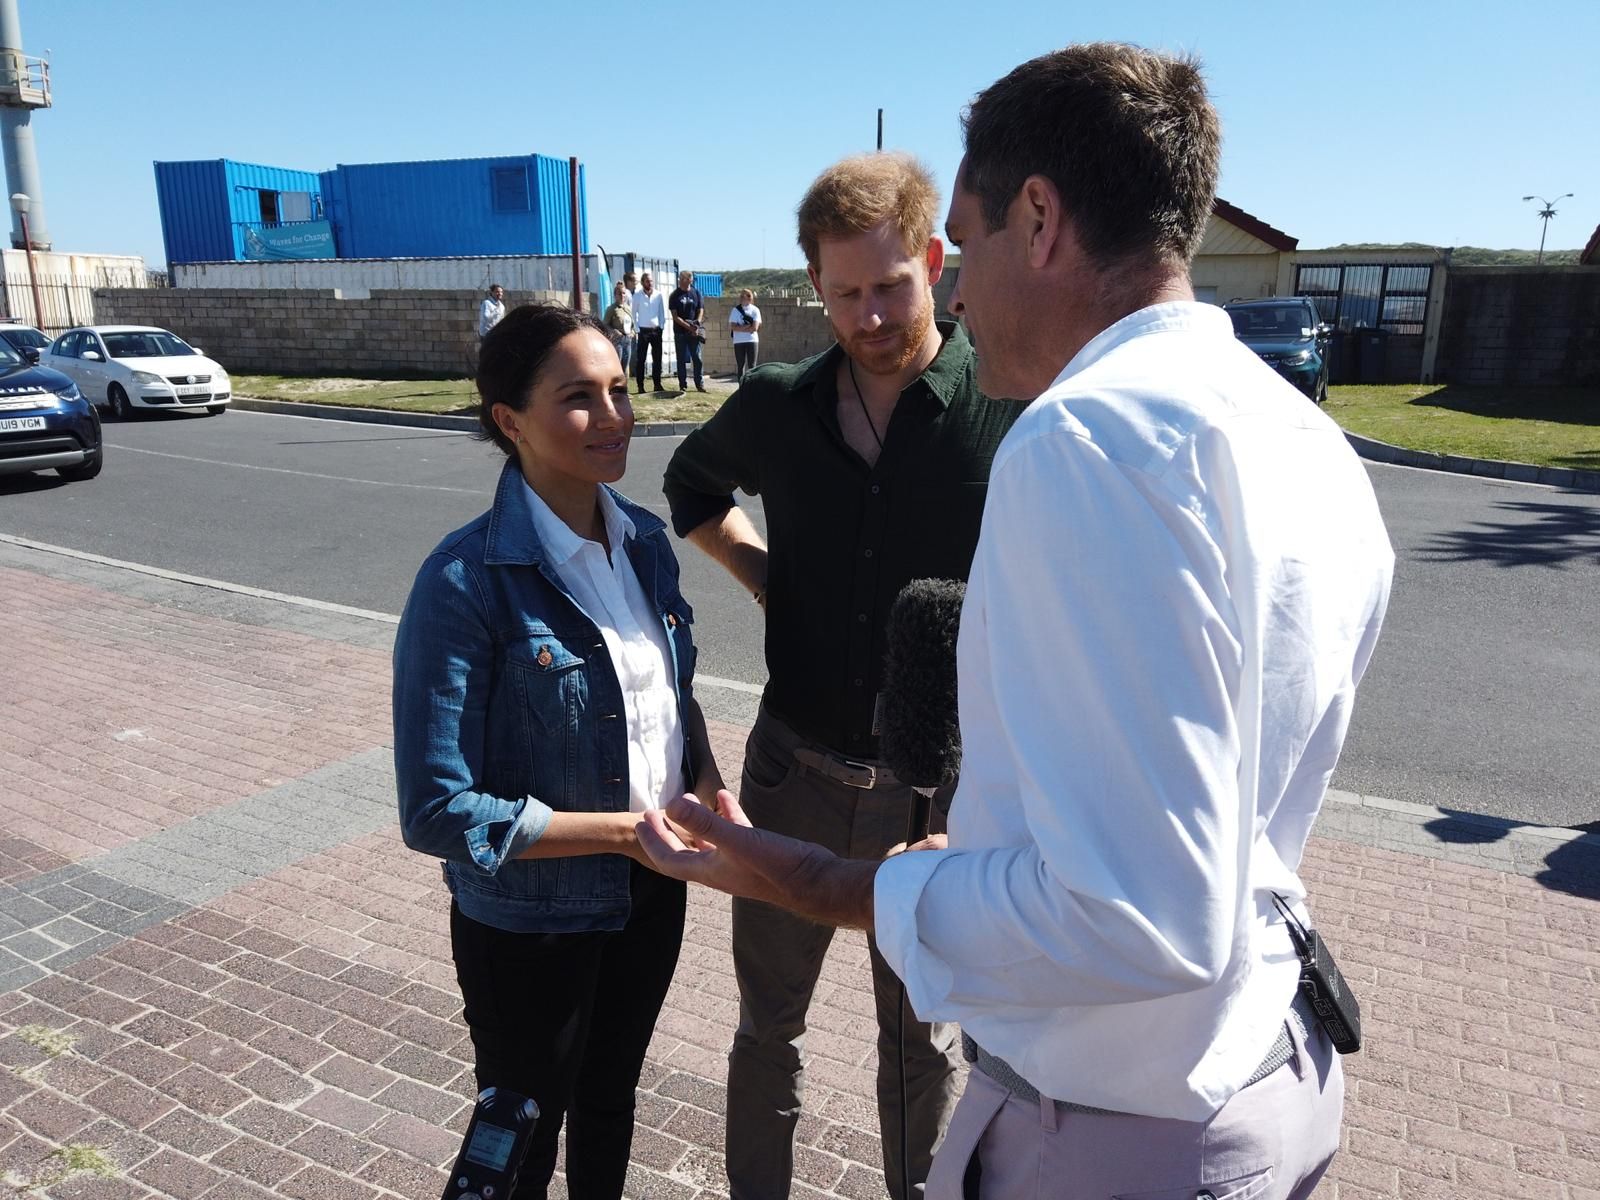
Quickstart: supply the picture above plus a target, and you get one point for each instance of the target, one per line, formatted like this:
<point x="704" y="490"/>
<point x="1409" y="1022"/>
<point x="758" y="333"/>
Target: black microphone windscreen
<point x="920" y="737"/>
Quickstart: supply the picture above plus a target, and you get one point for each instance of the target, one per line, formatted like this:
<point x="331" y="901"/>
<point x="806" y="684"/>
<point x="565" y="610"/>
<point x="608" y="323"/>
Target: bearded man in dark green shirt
<point x="872" y="461"/>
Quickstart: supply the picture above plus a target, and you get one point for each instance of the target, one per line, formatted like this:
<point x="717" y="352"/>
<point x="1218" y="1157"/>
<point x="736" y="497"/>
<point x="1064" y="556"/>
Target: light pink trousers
<point x="1271" y="1141"/>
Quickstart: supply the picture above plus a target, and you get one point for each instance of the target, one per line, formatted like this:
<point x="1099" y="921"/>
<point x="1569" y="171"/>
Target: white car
<point x="24" y="339"/>
<point x="128" y="367"/>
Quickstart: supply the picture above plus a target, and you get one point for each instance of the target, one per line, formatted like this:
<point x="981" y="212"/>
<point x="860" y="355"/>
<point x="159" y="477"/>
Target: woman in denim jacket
<point x="542" y="700"/>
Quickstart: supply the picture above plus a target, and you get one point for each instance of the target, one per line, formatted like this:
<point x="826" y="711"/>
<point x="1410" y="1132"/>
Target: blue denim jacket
<point x="507" y="708"/>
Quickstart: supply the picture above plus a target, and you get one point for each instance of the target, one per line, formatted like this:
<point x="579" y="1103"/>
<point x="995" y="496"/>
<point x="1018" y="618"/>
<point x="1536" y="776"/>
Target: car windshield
<point x="24" y="336"/>
<point x="1270" y="320"/>
<point x="9" y="357"/>
<point x="146" y="344"/>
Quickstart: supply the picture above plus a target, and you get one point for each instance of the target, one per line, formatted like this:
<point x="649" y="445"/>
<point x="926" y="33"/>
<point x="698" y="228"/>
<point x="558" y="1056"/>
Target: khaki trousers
<point x="1271" y="1141"/>
<point x="778" y="956"/>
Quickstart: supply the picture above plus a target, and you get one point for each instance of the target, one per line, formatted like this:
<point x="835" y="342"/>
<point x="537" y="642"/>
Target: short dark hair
<point x="1126" y="135"/>
<point x="512" y="355"/>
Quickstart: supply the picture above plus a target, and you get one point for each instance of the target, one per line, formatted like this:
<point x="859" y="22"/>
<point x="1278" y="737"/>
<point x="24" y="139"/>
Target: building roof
<point x="1254" y="226"/>
<point x="1591" y="253"/>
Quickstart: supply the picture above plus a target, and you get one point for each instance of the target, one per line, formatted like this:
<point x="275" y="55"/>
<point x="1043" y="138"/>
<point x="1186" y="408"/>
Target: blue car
<point x="1290" y="338"/>
<point x="45" y="422"/>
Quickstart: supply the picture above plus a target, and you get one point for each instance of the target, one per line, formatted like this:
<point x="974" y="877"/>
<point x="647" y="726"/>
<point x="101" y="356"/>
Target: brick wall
<point x="1521" y="325"/>
<point x="305" y="332"/>
<point x="790" y="331"/>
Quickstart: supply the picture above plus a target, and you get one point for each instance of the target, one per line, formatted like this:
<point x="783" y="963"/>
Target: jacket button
<point x="545" y="658"/>
<point x="672" y="621"/>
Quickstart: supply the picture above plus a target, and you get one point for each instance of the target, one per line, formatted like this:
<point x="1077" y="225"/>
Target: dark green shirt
<point x="844" y="538"/>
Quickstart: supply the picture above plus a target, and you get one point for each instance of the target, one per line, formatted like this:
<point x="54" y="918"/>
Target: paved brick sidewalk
<point x="222" y="976"/>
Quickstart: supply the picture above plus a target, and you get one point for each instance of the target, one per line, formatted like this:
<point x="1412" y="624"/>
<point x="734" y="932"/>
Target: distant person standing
<point x="491" y="310"/>
<point x="744" y="318"/>
<point x="649" y="318"/>
<point x="688" y="329"/>
<point x="619" y="324"/>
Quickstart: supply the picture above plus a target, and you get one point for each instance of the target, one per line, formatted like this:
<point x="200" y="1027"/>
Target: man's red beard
<point x="887" y="350"/>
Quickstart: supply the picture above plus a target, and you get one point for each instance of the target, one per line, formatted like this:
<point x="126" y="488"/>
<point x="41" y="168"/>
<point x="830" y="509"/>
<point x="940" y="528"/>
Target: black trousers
<point x="744" y="357"/>
<point x="566" y="1018"/>
<point x="649" y="339"/>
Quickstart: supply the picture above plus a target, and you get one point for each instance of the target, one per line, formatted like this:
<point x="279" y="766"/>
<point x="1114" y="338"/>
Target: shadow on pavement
<point x="1543" y="535"/>
<point x="1572" y="867"/>
<point x="37" y="481"/>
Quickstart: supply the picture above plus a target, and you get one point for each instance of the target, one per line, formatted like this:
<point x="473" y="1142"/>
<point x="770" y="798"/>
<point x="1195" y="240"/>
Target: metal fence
<point x="1389" y="296"/>
<point x="64" y="301"/>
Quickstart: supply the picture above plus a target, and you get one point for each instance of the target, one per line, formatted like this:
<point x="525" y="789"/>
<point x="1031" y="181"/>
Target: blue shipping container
<point x="469" y="206"/>
<point x="709" y="285"/>
<point x="205" y="205"/>
<point x="511" y="205"/>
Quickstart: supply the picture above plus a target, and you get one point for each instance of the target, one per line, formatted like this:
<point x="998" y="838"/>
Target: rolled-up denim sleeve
<point x="443" y="668"/>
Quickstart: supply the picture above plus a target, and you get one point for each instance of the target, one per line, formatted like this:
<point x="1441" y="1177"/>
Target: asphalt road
<point x="1480" y="697"/>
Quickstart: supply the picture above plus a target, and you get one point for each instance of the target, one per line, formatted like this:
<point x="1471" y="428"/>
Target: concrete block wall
<point x="306" y="332"/>
<point x="790" y="331"/>
<point x="1521" y="325"/>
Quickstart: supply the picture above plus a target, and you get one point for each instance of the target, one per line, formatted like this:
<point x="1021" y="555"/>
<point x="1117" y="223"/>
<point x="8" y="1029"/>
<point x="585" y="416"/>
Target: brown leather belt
<point x="848" y="771"/>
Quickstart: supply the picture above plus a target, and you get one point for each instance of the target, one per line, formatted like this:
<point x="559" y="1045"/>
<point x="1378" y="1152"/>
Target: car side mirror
<point x="92" y="356"/>
<point x="1324" y="330"/>
<point x="31" y="353"/>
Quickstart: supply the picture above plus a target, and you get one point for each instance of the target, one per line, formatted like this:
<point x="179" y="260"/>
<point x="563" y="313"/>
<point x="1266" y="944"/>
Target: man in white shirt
<point x="491" y="310"/>
<point x="1180" y="579"/>
<point x="649" y="319"/>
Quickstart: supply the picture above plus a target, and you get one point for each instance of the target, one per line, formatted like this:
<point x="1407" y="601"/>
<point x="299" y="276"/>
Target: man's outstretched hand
<point x="730" y="855"/>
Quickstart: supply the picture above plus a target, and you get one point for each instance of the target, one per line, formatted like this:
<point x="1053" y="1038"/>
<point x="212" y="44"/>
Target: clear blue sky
<point x="701" y="124"/>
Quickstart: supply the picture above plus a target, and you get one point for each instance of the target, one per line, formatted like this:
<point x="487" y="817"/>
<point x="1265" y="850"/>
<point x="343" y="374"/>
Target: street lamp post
<point x="19" y="205"/>
<point x="1545" y="213"/>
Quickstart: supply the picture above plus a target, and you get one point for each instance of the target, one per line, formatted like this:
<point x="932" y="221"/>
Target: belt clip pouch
<point x="1337" y="1009"/>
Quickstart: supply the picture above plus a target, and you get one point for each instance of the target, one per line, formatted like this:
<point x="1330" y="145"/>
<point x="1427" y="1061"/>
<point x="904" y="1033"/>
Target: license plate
<point x="18" y="424"/>
<point x="193" y="389"/>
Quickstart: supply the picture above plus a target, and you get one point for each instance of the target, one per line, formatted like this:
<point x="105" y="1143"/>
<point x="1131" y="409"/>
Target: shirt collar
<point x="560" y="543"/>
<point x="943" y="376"/>
<point x="1172" y="316"/>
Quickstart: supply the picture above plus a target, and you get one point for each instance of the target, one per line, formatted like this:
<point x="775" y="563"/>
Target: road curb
<point x="1503" y="827"/>
<point x="1490" y="468"/>
<point x="387" y="416"/>
<point x="1368" y="448"/>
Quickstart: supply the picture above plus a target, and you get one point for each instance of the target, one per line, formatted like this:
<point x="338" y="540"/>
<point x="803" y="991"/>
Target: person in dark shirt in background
<point x="872" y="461"/>
<point x="688" y="309"/>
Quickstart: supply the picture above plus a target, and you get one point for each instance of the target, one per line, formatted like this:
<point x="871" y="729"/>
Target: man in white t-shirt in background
<point x="744" y="318"/>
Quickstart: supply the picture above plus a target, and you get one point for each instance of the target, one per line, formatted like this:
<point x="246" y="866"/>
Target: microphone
<point x="919" y="734"/>
<point x="919" y="738"/>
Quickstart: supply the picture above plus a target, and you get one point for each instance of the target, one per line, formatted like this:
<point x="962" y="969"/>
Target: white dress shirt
<point x="1179" y="582"/>
<point x="650" y="312"/>
<point x="490" y="313"/>
<point x="608" y="590"/>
